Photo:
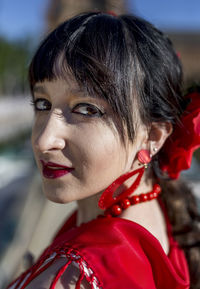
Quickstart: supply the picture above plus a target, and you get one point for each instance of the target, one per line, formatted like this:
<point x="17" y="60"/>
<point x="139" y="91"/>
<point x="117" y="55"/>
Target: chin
<point x="57" y="197"/>
<point x="56" y="200"/>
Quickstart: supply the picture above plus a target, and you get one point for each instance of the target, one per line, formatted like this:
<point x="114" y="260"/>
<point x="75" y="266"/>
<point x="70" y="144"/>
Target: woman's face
<point x="76" y="145"/>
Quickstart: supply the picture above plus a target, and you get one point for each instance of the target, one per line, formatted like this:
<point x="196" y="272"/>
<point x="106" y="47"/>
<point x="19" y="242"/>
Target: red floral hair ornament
<point x="111" y="13"/>
<point x="185" y="139"/>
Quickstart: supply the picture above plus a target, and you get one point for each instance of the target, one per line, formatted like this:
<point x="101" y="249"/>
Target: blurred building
<point x="188" y="47"/>
<point x="60" y="10"/>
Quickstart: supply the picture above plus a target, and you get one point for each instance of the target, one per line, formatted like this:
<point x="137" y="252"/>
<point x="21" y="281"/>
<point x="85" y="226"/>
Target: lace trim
<point x="72" y="255"/>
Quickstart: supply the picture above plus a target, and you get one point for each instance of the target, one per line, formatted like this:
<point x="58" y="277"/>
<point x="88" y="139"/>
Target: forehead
<point x="62" y="90"/>
<point x="59" y="86"/>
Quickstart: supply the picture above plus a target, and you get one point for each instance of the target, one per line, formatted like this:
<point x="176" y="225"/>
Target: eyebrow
<point x="39" y="89"/>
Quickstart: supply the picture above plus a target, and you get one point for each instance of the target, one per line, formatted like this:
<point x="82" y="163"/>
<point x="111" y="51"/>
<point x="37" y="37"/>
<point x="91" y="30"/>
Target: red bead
<point x="116" y="210"/>
<point x="151" y="196"/>
<point x="155" y="194"/>
<point x="157" y="188"/>
<point x="144" y="197"/>
<point x="135" y="200"/>
<point x="125" y="203"/>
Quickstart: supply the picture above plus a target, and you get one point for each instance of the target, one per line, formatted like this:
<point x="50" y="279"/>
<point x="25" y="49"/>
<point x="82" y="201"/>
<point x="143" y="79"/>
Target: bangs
<point x="92" y="48"/>
<point x="87" y="47"/>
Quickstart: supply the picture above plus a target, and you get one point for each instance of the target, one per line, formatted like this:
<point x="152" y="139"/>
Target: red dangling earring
<point x="108" y="202"/>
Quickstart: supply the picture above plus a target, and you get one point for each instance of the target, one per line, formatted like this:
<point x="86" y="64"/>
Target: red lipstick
<point x="52" y="170"/>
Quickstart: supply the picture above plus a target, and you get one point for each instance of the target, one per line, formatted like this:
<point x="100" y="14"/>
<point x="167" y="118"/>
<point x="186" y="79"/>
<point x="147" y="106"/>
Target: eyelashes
<point x="84" y="109"/>
<point x="88" y="110"/>
<point x="41" y="104"/>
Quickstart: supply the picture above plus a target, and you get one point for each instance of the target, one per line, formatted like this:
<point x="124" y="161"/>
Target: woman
<point x="111" y="129"/>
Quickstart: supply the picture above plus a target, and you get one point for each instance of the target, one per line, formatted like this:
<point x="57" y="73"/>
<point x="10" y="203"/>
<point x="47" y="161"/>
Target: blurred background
<point x="27" y="220"/>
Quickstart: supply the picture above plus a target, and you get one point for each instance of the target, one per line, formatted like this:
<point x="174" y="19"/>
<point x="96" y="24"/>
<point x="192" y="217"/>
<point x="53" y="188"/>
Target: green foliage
<point x="14" y="57"/>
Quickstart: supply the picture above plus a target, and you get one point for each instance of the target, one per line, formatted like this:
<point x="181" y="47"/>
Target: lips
<point x="52" y="170"/>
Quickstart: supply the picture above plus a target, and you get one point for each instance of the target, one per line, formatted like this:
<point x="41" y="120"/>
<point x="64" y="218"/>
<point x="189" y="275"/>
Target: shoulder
<point x="116" y="247"/>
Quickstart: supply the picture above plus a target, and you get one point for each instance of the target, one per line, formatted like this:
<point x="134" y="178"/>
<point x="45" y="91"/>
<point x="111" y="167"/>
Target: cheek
<point x="34" y="135"/>
<point x="101" y="154"/>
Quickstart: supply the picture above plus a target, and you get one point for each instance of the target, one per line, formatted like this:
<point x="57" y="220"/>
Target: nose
<point x="49" y="135"/>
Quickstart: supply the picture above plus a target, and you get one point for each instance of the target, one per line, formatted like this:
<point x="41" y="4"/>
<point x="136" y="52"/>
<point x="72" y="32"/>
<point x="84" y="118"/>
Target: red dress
<point x="113" y="253"/>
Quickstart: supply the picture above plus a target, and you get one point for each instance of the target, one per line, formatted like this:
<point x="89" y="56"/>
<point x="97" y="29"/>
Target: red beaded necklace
<point x="117" y="208"/>
<point x="113" y="206"/>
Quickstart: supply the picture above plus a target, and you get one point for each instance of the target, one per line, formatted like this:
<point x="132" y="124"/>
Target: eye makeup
<point x="88" y="109"/>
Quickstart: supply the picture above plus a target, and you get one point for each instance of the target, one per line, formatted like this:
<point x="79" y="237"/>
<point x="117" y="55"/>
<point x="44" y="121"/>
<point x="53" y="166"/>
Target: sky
<point x="169" y="14"/>
<point x="19" y="18"/>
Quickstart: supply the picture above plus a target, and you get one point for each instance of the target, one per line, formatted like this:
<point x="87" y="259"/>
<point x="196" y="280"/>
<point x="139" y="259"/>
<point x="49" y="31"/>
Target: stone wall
<point x="188" y="46"/>
<point x="60" y="10"/>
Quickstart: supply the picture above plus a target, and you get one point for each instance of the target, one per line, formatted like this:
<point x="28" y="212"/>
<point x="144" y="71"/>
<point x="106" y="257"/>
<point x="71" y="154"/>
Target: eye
<point x="41" y="104"/>
<point x="87" y="110"/>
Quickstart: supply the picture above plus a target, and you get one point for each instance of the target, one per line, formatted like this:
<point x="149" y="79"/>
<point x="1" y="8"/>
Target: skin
<point x="84" y="136"/>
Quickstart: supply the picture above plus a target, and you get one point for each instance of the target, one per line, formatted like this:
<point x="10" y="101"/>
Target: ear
<point x="158" y="133"/>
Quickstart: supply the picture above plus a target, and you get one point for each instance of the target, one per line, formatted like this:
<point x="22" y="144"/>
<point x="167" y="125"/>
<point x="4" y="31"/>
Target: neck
<point x="88" y="208"/>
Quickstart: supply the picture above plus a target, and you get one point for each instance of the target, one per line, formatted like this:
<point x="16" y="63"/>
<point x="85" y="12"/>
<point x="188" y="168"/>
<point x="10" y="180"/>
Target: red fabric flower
<point x="178" y="149"/>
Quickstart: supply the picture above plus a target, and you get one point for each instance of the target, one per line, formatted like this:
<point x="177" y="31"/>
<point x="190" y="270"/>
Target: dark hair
<point x="128" y="62"/>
